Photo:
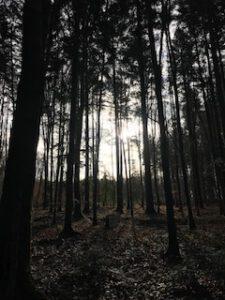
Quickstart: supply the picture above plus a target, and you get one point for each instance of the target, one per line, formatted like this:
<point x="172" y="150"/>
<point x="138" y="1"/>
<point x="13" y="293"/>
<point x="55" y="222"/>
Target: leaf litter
<point x="127" y="262"/>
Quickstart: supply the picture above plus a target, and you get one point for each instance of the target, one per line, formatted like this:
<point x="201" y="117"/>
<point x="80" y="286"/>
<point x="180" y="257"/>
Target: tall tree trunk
<point x="46" y="165"/>
<point x="126" y="176"/>
<point x="218" y="136"/>
<point x="150" y="210"/>
<point x="180" y="131"/>
<point x="15" y="205"/>
<point x="209" y="130"/>
<point x="2" y="121"/>
<point x="140" y="168"/>
<point x="60" y="194"/>
<point x="71" y="152"/>
<point x="96" y="147"/>
<point x="51" y="186"/>
<point x="190" y="116"/>
<point x="173" y="247"/>
<point x="86" y="187"/>
<point x="220" y="90"/>
<point x="59" y="160"/>
<point x="119" y="180"/>
<point x="78" y="136"/>
<point x="130" y="178"/>
<point x="156" y="185"/>
<point x="218" y="80"/>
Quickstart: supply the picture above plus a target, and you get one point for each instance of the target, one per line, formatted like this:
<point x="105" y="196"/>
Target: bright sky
<point x="108" y="149"/>
<point x="107" y="159"/>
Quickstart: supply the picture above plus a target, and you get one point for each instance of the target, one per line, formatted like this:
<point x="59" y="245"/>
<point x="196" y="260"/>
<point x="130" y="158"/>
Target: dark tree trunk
<point x="2" y="121"/>
<point x="15" y="206"/>
<point x="150" y="210"/>
<point x="40" y="186"/>
<point x="96" y="147"/>
<point x="216" y="123"/>
<point x="220" y="92"/>
<point x="180" y="132"/>
<point x="86" y="187"/>
<point x="71" y="153"/>
<point x="190" y="117"/>
<point x="156" y="184"/>
<point x="77" y="194"/>
<point x="130" y="179"/>
<point x="51" y="186"/>
<point x="60" y="194"/>
<point x="59" y="160"/>
<point x="119" y="179"/>
<point x="78" y="137"/>
<point x="173" y="249"/>
<point x="141" y="172"/>
<point x="126" y="176"/>
<point x="46" y="165"/>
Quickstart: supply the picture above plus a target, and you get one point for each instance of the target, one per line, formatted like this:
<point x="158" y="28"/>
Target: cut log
<point x="112" y="221"/>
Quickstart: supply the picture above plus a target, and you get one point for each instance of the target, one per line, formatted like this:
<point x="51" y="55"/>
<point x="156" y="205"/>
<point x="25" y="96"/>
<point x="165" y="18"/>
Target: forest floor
<point x="127" y="262"/>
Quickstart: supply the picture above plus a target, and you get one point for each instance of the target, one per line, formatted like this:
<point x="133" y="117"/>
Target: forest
<point x="112" y="149"/>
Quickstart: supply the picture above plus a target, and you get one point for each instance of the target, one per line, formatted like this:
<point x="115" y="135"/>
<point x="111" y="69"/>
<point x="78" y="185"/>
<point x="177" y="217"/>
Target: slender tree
<point x="173" y="248"/>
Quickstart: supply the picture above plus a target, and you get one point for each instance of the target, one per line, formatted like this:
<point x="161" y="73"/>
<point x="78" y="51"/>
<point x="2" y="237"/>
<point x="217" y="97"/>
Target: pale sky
<point x="107" y="159"/>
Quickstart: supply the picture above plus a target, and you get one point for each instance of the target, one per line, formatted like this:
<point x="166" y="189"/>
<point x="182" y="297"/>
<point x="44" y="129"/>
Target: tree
<point x="72" y="129"/>
<point x="179" y="129"/>
<point x="173" y="249"/>
<point x="15" y="206"/>
<point x="144" y="115"/>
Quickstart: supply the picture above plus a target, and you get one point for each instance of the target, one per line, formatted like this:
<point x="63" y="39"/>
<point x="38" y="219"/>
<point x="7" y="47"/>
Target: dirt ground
<point x="127" y="262"/>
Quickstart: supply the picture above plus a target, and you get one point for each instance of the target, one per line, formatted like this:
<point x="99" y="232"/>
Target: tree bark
<point x="71" y="153"/>
<point x="173" y="247"/>
<point x="119" y="179"/>
<point x="180" y="132"/>
<point x="96" y="147"/>
<point x="150" y="210"/>
<point x="15" y="205"/>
